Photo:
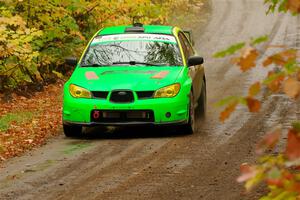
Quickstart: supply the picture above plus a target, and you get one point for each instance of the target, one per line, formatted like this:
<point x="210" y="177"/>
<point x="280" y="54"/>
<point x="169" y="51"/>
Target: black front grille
<point x="100" y="94"/>
<point x="145" y="94"/>
<point x="122" y="96"/>
<point x="122" y="116"/>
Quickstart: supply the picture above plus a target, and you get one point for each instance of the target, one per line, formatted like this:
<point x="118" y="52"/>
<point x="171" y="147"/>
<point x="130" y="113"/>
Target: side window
<point x="184" y="47"/>
<point x="190" y="48"/>
<point x="187" y="48"/>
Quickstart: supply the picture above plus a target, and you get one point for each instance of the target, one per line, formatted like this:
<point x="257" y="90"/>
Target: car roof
<point x="158" y="29"/>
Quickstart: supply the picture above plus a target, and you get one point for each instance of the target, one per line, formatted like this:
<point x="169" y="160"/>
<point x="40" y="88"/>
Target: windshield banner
<point x="134" y="37"/>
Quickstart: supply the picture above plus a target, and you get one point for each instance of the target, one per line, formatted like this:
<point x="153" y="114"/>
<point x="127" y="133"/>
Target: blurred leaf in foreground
<point x="230" y="51"/>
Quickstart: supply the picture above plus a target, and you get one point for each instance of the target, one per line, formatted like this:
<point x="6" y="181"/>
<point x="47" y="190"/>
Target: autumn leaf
<point x="289" y="54"/>
<point x="293" y="6"/>
<point x="274" y="81"/>
<point x="253" y="104"/>
<point x="254" y="89"/>
<point x="228" y="111"/>
<point x="291" y="88"/>
<point x="277" y="59"/>
<point x="275" y="182"/>
<point x="248" y="59"/>
<point x="269" y="141"/>
<point x="293" y="144"/>
<point x="247" y="172"/>
<point x="281" y="58"/>
<point x="267" y="62"/>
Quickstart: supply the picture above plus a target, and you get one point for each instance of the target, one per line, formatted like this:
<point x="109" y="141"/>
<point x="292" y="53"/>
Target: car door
<point x="194" y="71"/>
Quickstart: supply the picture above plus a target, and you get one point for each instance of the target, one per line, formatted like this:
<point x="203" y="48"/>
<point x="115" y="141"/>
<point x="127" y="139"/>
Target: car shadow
<point x="132" y="132"/>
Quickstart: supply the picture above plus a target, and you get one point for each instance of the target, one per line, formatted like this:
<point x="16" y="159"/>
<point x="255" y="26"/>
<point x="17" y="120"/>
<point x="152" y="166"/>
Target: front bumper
<point x="91" y="124"/>
<point x="78" y="111"/>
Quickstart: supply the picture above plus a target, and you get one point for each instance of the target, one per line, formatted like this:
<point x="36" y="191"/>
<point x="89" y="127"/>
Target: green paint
<point x="148" y="29"/>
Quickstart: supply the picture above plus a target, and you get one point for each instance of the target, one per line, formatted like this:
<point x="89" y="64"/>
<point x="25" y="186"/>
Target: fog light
<point x="168" y="114"/>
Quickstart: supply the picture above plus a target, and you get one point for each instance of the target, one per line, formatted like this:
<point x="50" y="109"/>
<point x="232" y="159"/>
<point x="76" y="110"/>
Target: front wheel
<point x="190" y="127"/>
<point x="72" y="130"/>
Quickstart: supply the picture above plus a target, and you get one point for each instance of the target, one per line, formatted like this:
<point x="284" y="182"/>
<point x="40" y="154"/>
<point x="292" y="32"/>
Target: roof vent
<point x="137" y="28"/>
<point x="138" y="25"/>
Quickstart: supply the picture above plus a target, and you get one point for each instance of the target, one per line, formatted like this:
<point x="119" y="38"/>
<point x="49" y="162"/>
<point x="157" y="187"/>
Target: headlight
<point x="167" y="92"/>
<point x="79" y="92"/>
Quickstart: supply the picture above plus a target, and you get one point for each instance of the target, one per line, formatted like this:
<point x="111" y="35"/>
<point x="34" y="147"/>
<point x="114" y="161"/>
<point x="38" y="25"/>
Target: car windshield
<point x="133" y="49"/>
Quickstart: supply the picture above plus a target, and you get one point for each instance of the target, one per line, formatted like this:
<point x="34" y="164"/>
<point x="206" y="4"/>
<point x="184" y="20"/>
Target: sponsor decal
<point x="129" y="72"/>
<point x="134" y="37"/>
<point x="91" y="76"/>
<point x="160" y="75"/>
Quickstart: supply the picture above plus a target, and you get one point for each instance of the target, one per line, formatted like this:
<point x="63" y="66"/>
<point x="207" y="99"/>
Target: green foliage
<point x="236" y="47"/>
<point x="228" y="100"/>
<point x="17" y="53"/>
<point x="259" y="40"/>
<point x="230" y="50"/>
<point x="283" y="6"/>
<point x="296" y="126"/>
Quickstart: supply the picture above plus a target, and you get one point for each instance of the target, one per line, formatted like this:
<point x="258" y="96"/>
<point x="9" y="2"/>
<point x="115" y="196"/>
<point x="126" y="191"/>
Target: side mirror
<point x="195" y="60"/>
<point x="71" y="61"/>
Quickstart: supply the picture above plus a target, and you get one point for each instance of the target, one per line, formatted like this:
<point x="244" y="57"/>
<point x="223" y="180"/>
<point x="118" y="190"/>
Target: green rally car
<point x="135" y="75"/>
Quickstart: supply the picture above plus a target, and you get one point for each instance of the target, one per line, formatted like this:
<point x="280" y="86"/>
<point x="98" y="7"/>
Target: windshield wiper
<point x="95" y="65"/>
<point x="137" y="63"/>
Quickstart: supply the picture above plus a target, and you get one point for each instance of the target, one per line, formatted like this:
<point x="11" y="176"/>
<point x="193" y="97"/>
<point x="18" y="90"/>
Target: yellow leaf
<point x="292" y="87"/>
<point x="228" y="111"/>
<point x="254" y="89"/>
<point x="248" y="59"/>
<point x="58" y="74"/>
<point x="267" y="62"/>
<point x="38" y="76"/>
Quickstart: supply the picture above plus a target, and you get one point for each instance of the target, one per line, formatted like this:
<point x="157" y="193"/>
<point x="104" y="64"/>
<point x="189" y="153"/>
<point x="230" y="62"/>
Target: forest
<point x="36" y="35"/>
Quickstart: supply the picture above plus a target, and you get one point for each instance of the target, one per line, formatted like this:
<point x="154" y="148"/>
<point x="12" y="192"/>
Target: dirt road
<point x="158" y="164"/>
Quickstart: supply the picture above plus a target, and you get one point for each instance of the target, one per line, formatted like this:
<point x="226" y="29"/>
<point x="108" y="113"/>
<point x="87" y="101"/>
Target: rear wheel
<point x="201" y="109"/>
<point x="72" y="130"/>
<point x="190" y="127"/>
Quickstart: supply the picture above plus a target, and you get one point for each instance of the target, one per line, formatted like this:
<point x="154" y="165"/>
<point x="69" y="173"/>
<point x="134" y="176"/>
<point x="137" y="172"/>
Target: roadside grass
<point x="17" y="118"/>
<point x="26" y="123"/>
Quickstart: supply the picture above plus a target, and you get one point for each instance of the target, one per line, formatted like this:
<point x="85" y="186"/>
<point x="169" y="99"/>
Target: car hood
<point x="125" y="77"/>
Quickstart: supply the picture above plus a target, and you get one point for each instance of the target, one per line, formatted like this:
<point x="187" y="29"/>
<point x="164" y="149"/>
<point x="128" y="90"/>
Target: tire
<point x="190" y="127"/>
<point x="201" y="109"/>
<point x="72" y="130"/>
